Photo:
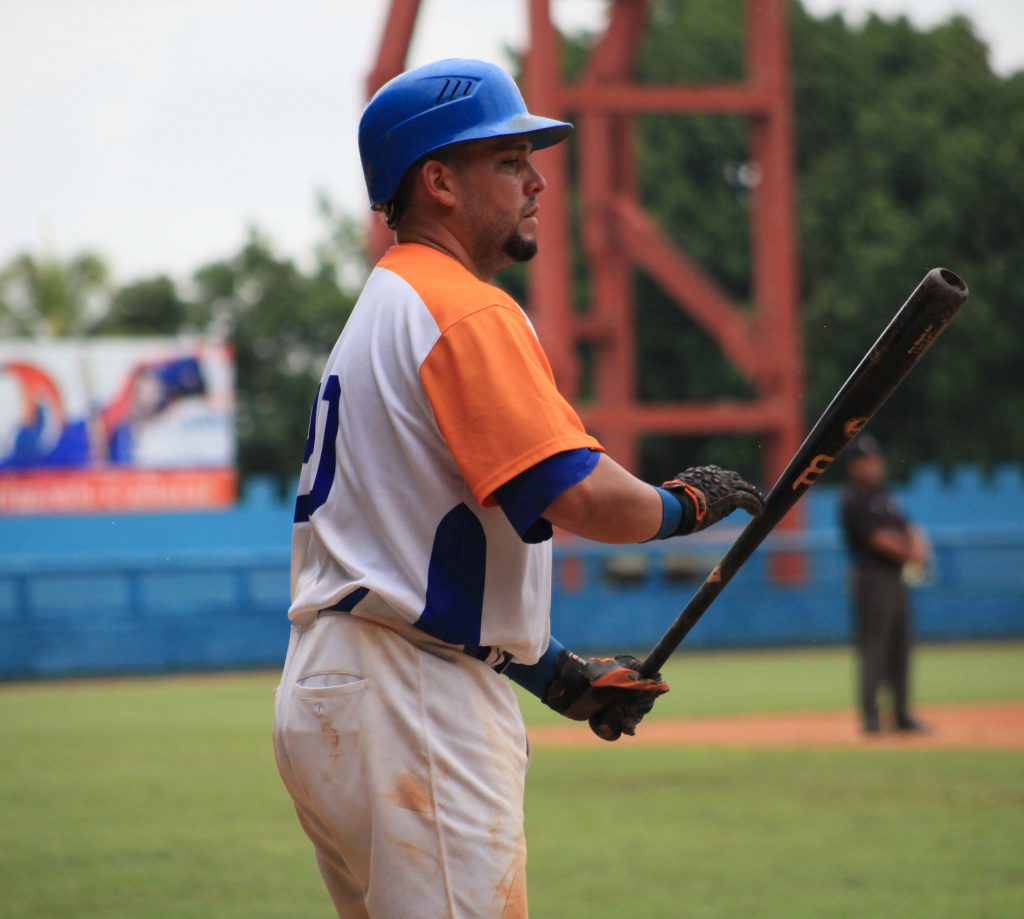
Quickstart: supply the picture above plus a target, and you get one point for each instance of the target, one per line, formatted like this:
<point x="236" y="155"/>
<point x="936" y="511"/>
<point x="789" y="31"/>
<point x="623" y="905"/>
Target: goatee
<point x="519" y="248"/>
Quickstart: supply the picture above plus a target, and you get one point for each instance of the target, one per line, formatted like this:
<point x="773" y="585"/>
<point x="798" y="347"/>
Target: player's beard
<point x="518" y="248"/>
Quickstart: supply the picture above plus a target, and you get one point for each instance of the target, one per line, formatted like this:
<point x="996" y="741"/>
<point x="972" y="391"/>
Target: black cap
<point x="863" y="445"/>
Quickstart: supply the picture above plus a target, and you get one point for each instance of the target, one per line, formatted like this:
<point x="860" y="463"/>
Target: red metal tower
<point x="618" y="236"/>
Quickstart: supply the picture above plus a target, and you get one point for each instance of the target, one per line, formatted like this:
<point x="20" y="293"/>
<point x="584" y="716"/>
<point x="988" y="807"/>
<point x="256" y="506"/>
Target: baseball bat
<point x="911" y="332"/>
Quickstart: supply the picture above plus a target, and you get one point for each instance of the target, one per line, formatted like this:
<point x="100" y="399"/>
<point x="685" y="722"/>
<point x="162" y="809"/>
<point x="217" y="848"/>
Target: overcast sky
<point x="155" y="131"/>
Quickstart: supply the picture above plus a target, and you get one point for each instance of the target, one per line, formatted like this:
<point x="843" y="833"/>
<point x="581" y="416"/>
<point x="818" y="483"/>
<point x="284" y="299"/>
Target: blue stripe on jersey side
<point x="528" y="495"/>
<point x="326" y="466"/>
<point x="350" y="601"/>
<point x="455" y="579"/>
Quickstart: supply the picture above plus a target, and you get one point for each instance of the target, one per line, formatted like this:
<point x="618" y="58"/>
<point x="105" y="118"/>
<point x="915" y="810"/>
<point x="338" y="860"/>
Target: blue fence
<point x="152" y="593"/>
<point x="129" y="614"/>
<point x="627" y="600"/>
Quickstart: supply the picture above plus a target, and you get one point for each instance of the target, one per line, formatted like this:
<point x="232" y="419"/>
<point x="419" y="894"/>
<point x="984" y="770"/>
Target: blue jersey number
<point x="306" y="505"/>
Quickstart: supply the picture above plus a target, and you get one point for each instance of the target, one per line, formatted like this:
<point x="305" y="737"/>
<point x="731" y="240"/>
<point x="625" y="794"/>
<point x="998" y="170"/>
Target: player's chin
<point x="519" y="247"/>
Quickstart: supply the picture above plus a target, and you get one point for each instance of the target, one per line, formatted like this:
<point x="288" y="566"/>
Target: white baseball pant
<point x="407" y="770"/>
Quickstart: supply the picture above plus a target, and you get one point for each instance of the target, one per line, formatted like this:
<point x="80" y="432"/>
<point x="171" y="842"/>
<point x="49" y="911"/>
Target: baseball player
<point x="882" y="542"/>
<point x="439" y="456"/>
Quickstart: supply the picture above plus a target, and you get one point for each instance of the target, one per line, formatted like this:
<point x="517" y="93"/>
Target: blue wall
<point x="149" y="593"/>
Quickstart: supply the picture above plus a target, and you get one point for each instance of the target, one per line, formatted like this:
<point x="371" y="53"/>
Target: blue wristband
<point x="671" y="514"/>
<point x="535" y="678"/>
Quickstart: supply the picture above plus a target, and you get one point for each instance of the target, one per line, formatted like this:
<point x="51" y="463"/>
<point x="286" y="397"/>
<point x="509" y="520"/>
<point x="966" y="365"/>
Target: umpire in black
<point x="882" y="544"/>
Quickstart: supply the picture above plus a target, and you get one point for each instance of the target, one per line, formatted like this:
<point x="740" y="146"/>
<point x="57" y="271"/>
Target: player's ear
<point x="438" y="180"/>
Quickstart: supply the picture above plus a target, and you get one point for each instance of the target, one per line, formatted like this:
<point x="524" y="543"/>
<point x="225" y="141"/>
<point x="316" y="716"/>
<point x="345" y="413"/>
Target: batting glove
<point x="608" y="692"/>
<point x="708" y="494"/>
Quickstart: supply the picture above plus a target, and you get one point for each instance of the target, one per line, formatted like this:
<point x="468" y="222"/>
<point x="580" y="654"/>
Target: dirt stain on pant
<point x="412" y="792"/>
<point x="331" y="737"/>
<point x="510" y="891"/>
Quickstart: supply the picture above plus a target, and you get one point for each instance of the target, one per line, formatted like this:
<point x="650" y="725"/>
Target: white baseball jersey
<point x="436" y="394"/>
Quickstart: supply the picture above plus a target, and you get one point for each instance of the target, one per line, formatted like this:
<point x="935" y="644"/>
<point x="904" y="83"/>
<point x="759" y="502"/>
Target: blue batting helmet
<point x="438" y="104"/>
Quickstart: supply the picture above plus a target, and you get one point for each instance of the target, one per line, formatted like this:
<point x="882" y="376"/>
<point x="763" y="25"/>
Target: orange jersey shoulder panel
<point x="447" y="288"/>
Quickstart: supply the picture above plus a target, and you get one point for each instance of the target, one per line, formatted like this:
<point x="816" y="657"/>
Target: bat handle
<point x="679" y="629"/>
<point x="754" y="533"/>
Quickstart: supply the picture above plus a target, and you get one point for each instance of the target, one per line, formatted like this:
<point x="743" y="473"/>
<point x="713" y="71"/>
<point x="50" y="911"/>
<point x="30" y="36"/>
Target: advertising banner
<point x="115" y="424"/>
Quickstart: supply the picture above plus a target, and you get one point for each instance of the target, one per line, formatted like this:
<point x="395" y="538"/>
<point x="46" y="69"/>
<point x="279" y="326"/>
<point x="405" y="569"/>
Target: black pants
<point x="882" y="629"/>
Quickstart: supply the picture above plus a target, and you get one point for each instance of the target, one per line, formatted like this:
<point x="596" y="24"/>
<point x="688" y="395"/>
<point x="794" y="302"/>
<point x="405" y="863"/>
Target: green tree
<point x="282" y="323"/>
<point x="907" y="150"/>
<point x="52" y="297"/>
<point x="152" y="306"/>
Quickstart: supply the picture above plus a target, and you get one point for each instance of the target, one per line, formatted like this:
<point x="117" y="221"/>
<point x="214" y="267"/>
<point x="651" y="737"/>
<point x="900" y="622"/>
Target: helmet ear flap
<point x="437" y="105"/>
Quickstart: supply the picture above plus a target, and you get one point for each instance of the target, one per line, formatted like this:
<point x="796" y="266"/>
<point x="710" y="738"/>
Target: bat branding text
<point x="815" y="468"/>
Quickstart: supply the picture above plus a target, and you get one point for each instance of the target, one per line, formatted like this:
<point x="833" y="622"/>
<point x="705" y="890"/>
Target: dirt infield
<point x="995" y="726"/>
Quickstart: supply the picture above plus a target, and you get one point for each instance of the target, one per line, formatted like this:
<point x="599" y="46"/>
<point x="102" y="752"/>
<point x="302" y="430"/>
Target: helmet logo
<point x="454" y="89"/>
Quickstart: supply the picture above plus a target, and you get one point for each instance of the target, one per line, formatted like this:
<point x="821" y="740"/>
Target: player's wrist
<point x="569" y="684"/>
<point x="536" y="678"/>
<point x="678" y="514"/>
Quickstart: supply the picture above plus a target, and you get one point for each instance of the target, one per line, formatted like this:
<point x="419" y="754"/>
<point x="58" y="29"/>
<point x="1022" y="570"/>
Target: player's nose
<point x="535" y="182"/>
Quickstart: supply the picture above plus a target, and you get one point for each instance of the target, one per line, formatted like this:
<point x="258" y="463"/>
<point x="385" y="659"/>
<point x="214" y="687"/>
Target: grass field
<point x="140" y="799"/>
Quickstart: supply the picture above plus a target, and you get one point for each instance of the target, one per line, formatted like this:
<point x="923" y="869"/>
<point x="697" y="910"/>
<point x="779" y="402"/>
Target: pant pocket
<point x="327" y="713"/>
<point x="327" y="684"/>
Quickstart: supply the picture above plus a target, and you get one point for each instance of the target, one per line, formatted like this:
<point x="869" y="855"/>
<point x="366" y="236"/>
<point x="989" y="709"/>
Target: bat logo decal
<point x="854" y="426"/>
<point x="923" y="342"/>
<point x="815" y="468"/>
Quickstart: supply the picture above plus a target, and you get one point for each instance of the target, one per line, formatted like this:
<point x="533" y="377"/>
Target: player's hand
<point x="609" y="692"/>
<point x="710" y="493"/>
<point x="622" y="717"/>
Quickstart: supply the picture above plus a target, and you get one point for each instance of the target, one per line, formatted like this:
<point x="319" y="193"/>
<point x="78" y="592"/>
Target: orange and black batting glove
<point x="705" y="494"/>
<point x="609" y="692"/>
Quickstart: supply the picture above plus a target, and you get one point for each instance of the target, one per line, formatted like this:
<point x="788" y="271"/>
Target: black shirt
<point x="864" y="510"/>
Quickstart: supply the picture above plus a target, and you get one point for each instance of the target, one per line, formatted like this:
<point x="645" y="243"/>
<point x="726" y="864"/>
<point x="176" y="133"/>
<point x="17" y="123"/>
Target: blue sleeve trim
<point x="671" y="514"/>
<point x="525" y="498"/>
<point x="535" y="678"/>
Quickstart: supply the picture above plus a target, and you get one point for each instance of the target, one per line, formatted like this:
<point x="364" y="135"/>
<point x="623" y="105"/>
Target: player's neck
<point x="439" y="236"/>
